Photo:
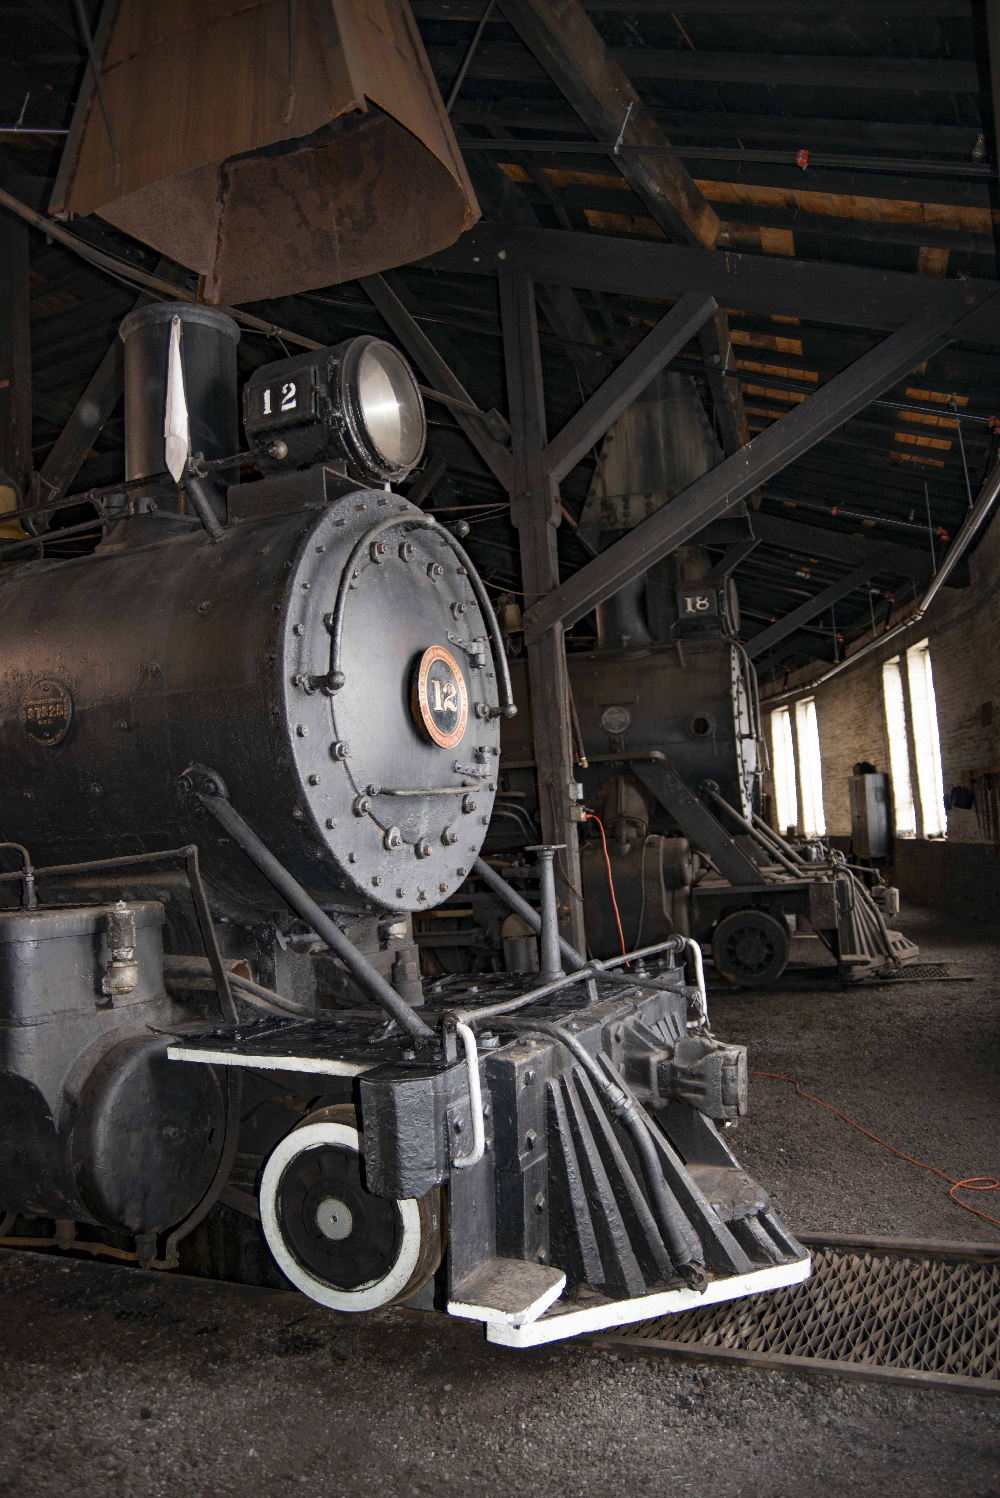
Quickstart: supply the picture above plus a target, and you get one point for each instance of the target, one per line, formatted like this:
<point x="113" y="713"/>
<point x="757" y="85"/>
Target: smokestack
<point x="208" y="342"/>
<point x="658" y="446"/>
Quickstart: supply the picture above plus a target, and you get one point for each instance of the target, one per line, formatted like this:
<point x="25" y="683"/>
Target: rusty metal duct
<point x="659" y="445"/>
<point x="274" y="147"/>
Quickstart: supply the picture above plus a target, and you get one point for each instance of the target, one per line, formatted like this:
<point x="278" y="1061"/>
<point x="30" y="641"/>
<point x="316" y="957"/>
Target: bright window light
<point x="786" y="801"/>
<point x="899" y="753"/>
<point x="926" y="741"/>
<point x="810" y="768"/>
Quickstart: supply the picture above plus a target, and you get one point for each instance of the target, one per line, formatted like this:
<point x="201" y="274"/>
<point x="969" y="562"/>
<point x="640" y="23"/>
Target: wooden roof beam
<point x="569" y="48"/>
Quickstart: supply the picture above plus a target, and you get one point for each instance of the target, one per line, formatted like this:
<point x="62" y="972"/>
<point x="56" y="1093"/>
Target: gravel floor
<point x="918" y="1064"/>
<point x="115" y="1383"/>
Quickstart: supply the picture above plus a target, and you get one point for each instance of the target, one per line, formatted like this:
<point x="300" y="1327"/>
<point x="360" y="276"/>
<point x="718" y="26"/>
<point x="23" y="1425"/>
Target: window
<point x="786" y="801"/>
<point x="899" y="754"/>
<point x="810" y="768"/>
<point x="926" y="741"/>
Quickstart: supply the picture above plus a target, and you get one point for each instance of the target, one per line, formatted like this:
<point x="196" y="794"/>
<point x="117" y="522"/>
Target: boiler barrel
<point x="121" y="669"/>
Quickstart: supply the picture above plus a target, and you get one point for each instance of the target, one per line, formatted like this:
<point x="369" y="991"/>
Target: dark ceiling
<point x="885" y="98"/>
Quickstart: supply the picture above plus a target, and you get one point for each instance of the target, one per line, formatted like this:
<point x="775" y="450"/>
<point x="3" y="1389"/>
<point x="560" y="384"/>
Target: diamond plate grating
<point x="908" y="974"/>
<point x="880" y="1310"/>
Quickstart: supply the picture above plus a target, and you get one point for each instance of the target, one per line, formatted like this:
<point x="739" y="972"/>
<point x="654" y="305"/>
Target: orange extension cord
<point x="593" y="817"/>
<point x="973" y="1183"/>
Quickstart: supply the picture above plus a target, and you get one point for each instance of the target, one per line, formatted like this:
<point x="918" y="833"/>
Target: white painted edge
<point x="493" y="1317"/>
<point x="645" y="1307"/>
<point x="270" y="1063"/>
<point x="368" y="1297"/>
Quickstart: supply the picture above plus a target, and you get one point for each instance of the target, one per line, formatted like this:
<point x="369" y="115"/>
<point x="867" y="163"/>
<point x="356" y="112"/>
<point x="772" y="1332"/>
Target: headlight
<point x="356" y="406"/>
<point x="381" y="395"/>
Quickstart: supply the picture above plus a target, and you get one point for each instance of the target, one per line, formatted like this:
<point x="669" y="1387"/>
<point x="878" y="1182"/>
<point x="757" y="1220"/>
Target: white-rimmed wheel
<point x="331" y="1237"/>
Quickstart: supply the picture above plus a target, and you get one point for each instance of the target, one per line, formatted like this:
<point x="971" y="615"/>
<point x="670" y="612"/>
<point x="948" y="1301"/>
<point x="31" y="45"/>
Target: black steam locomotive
<point x="671" y="754"/>
<point x="245" y="740"/>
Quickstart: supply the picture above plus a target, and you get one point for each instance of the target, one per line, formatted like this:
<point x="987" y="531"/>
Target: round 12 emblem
<point x="440" y="699"/>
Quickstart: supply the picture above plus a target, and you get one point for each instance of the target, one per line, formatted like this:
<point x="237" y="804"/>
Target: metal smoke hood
<point x="659" y="445"/>
<point x="273" y="147"/>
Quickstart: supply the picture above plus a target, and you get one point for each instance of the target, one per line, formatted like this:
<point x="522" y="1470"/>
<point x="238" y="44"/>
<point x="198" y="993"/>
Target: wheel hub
<point x="332" y="1225"/>
<point x="334" y="1219"/>
<point x="752" y="950"/>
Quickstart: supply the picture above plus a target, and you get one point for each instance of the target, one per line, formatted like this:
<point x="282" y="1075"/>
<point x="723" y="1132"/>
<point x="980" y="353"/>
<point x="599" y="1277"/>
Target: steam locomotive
<point x="671" y="756"/>
<point x="246" y="739"/>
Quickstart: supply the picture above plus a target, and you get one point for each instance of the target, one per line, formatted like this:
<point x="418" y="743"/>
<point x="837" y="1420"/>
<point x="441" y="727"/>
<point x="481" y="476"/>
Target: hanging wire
<point x="961" y="448"/>
<point x="460" y="75"/>
<point x="930" y="523"/>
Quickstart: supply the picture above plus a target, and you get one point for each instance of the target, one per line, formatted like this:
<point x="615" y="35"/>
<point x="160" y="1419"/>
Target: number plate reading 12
<point x="440" y="699"/>
<point x="286" y="401"/>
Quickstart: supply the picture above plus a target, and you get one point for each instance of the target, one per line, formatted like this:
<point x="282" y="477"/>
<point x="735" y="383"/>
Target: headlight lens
<point x="383" y="396"/>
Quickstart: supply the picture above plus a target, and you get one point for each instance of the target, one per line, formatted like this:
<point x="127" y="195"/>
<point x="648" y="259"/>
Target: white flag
<point x="176" y="438"/>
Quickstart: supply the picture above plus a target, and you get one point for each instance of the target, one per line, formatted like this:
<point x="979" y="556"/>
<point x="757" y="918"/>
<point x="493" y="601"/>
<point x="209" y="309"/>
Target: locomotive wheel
<point x="331" y="1237"/>
<point x="751" y="947"/>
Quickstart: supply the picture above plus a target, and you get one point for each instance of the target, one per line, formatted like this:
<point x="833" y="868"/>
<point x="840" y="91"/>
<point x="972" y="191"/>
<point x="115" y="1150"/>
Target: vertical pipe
<point x="550" y="965"/>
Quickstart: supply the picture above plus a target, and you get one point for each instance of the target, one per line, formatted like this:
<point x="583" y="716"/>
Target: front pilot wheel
<point x="335" y="1240"/>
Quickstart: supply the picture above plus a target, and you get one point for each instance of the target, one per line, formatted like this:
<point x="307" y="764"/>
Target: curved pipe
<point x="973" y="520"/>
<point x="468" y="1039"/>
<point x="685" y="1250"/>
<point x="266" y="998"/>
<point x="694" y="949"/>
<point x="29" y="899"/>
<point x="337" y="678"/>
<point x="303" y="904"/>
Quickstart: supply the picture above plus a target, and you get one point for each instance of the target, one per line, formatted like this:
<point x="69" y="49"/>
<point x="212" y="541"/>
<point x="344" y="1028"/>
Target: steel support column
<point x="15" y="353"/>
<point x="534" y="504"/>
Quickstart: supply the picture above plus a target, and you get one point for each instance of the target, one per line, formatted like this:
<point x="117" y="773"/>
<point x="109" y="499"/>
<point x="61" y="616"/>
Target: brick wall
<point x="963" y="628"/>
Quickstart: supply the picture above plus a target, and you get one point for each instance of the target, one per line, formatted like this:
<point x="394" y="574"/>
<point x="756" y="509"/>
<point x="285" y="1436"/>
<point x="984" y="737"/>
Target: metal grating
<point x="913" y="972"/>
<point x="870" y="1311"/>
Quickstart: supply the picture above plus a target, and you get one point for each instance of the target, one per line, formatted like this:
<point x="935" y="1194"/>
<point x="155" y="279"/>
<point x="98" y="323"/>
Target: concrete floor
<point x="118" y="1383"/>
